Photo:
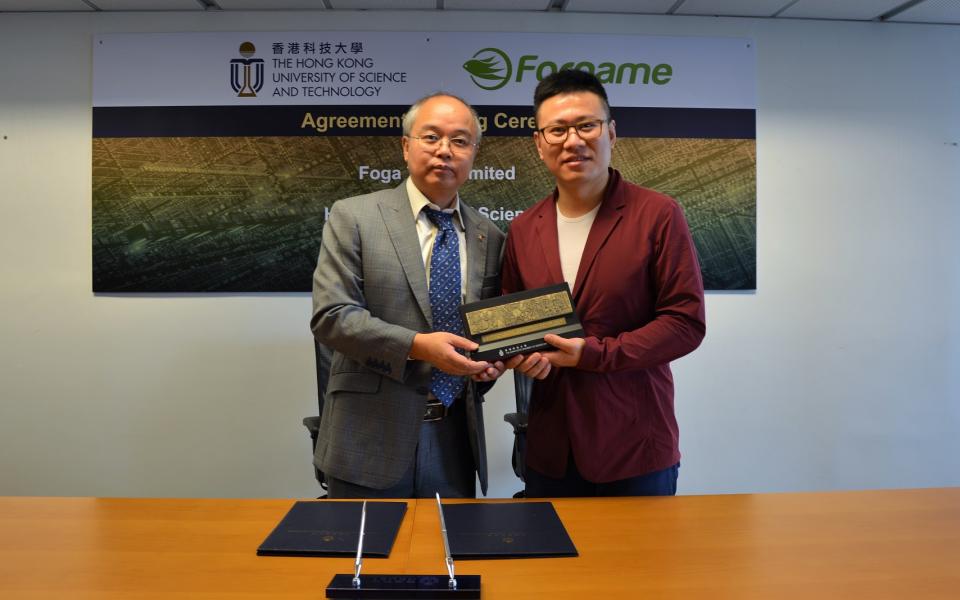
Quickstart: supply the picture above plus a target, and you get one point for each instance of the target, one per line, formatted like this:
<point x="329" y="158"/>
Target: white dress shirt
<point x="427" y="231"/>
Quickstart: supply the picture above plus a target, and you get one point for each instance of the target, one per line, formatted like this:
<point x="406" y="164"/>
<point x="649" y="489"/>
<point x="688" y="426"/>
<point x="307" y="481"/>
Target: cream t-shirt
<point x="572" y="236"/>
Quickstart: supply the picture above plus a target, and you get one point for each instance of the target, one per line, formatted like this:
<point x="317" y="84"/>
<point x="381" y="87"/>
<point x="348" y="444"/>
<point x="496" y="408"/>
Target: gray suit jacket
<point x="370" y="298"/>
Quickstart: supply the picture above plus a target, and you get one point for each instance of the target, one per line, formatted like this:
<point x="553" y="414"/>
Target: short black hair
<point x="568" y="81"/>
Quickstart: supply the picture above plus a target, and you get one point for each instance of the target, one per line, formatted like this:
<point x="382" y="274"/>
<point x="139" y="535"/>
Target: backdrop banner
<point x="217" y="156"/>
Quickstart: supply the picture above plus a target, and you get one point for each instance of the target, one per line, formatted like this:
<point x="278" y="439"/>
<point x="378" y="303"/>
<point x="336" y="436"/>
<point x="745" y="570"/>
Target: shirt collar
<point x="418" y="201"/>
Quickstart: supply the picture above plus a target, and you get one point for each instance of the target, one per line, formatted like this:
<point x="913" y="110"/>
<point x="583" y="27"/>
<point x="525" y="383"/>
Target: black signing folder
<point x="506" y="530"/>
<point x="325" y="528"/>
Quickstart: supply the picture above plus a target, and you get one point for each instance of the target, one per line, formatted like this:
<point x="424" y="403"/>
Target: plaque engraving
<point x="521" y="311"/>
<point x="516" y="323"/>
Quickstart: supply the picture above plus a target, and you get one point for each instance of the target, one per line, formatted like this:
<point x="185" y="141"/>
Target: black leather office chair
<point x="322" y="355"/>
<point x="522" y="386"/>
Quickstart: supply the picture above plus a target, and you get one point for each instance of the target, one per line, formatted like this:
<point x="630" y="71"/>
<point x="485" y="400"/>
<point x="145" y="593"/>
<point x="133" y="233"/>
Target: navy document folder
<point x="325" y="528"/>
<point x="506" y="530"/>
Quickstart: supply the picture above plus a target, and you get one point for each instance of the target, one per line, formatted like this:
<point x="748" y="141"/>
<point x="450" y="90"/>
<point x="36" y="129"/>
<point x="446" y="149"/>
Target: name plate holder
<point x="516" y="323"/>
<point x="386" y="587"/>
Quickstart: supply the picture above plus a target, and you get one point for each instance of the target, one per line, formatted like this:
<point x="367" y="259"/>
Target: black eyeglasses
<point x="586" y="130"/>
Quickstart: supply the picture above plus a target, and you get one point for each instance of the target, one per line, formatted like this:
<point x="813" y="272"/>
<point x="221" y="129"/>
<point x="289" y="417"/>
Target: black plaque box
<point x="516" y="323"/>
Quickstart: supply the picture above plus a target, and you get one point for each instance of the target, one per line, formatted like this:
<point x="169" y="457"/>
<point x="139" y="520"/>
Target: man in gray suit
<point x="402" y="415"/>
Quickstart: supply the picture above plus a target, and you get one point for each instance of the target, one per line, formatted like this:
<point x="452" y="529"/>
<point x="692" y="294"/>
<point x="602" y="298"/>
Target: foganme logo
<point x="491" y="69"/>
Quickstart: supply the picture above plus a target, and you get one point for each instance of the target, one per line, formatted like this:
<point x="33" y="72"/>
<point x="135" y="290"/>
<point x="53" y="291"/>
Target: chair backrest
<point x="522" y="387"/>
<point x="322" y="355"/>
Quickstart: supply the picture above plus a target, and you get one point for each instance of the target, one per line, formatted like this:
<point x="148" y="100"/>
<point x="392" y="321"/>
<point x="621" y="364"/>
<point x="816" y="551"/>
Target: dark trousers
<point x="658" y="483"/>
<point x="443" y="464"/>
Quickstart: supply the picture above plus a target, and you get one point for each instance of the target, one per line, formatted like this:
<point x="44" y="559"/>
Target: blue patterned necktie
<point x="445" y="297"/>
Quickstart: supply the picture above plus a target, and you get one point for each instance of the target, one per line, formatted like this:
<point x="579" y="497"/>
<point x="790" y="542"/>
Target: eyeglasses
<point x="586" y="130"/>
<point x="432" y="141"/>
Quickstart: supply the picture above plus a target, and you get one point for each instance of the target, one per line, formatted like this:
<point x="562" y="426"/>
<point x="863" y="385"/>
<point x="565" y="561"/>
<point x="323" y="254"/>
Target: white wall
<point x="839" y="372"/>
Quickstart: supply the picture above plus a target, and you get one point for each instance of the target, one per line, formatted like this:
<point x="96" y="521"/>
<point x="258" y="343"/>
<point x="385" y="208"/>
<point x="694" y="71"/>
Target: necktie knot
<point x="443" y="221"/>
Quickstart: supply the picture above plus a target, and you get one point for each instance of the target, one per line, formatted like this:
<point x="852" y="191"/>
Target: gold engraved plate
<point x="517" y="331"/>
<point x="517" y="323"/>
<point x="519" y="312"/>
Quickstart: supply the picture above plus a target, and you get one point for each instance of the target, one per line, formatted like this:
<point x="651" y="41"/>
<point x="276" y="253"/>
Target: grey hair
<point x="411" y="115"/>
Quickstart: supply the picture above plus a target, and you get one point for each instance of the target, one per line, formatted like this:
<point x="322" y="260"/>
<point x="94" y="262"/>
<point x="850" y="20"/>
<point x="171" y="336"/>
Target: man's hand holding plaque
<point x="539" y="364"/>
<point x="518" y="323"/>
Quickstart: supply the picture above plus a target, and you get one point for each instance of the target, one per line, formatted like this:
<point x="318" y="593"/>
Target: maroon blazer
<point x="639" y="295"/>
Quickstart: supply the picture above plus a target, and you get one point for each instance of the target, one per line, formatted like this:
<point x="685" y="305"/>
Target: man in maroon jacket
<point x="601" y="419"/>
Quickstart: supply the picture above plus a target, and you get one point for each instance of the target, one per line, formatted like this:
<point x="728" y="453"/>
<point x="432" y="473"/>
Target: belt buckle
<point x="435" y="411"/>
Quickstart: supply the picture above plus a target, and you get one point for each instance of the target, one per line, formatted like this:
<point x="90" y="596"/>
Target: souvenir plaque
<point x="516" y="323"/>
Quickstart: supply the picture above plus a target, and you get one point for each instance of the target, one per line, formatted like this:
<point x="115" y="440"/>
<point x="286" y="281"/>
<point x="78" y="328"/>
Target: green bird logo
<point x="484" y="69"/>
<point x="489" y="68"/>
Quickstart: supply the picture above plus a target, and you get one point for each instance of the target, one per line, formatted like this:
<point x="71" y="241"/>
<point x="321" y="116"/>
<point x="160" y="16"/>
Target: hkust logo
<point x="492" y="68"/>
<point x="246" y="74"/>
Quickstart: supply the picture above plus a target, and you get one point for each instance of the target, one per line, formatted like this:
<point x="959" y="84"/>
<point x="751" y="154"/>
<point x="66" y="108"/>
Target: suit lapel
<point x="476" y="251"/>
<point x="607" y="218"/>
<point x="546" y="230"/>
<point x="395" y="211"/>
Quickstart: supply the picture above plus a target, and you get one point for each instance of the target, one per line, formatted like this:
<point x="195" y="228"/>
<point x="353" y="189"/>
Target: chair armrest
<point x="312" y="424"/>
<point x="517" y="420"/>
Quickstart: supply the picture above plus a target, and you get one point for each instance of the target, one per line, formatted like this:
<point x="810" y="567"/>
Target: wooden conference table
<point x="870" y="544"/>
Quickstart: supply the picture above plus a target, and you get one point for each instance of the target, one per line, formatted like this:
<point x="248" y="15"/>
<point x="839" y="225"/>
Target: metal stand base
<point x="387" y="587"/>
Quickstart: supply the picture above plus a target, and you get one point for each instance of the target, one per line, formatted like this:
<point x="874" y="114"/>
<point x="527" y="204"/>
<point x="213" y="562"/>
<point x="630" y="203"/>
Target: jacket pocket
<point x="366" y="383"/>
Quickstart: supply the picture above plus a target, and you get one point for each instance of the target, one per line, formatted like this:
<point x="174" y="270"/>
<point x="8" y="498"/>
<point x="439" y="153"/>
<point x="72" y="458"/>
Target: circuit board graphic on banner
<point x="217" y="156"/>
